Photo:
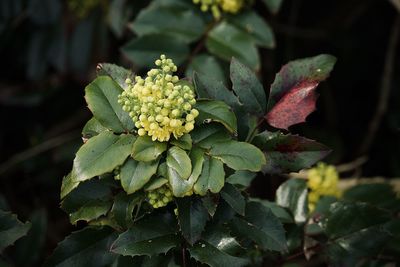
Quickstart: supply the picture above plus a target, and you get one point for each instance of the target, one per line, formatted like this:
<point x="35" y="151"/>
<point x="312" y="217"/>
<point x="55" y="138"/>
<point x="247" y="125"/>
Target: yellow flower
<point x="228" y="6"/>
<point x="322" y="181"/>
<point x="158" y="104"/>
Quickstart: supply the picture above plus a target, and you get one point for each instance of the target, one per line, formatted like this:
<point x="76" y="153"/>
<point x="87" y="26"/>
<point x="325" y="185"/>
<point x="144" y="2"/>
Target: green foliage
<point x="11" y="229"/>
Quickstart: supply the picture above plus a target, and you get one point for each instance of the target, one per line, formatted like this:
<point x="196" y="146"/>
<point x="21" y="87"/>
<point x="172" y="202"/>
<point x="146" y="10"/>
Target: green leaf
<point x="135" y="174"/>
<point x="178" y="160"/>
<point x="155" y="183"/>
<point x="210" y="202"/>
<point x="313" y="69"/>
<point x="288" y="153"/>
<point x="211" y="178"/>
<point x="242" y="178"/>
<point x="239" y="155"/>
<point x="206" y="135"/>
<point x="192" y="218"/>
<point x="68" y="184"/>
<point x="212" y="110"/>
<point x="150" y="236"/>
<point x="227" y="41"/>
<point x="206" y="65"/>
<point x="273" y="5"/>
<point x="146" y="49"/>
<point x="184" y="142"/>
<point x="183" y="24"/>
<point x="92" y="128"/>
<point x="256" y="27"/>
<point x="102" y="98"/>
<point x="101" y="154"/>
<point x="234" y="198"/>
<point x="247" y="87"/>
<point x="117" y="73"/>
<point x="283" y="215"/>
<point x="220" y="237"/>
<point x="262" y="226"/>
<point x="90" y="211"/>
<point x="292" y="194"/>
<point x="145" y="149"/>
<point x="89" y="247"/>
<point x="11" y="229"/>
<point x="123" y="207"/>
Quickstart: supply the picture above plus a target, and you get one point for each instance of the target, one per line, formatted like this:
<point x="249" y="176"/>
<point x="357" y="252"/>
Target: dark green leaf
<point x="247" y="87"/>
<point x="234" y="198"/>
<point x="150" y="236"/>
<point x="146" y="49"/>
<point x="178" y="160"/>
<point x="92" y="128"/>
<point x="155" y="183"/>
<point x="273" y="5"/>
<point x="117" y="73"/>
<point x="292" y="194"/>
<point x="11" y="229"/>
<point x="239" y="155"/>
<point x="220" y="237"/>
<point x="210" y="202"/>
<point x="135" y="174"/>
<point x="123" y="207"/>
<point x="184" y="142"/>
<point x="90" y="211"/>
<point x="102" y="98"/>
<point x="206" y="135"/>
<point x="283" y="215"/>
<point x="89" y="247"/>
<point x="211" y="178"/>
<point x="212" y="110"/>
<point x="145" y="149"/>
<point x="68" y="184"/>
<point x="192" y="217"/>
<point x="242" y="178"/>
<point x="206" y="65"/>
<point x="101" y="154"/>
<point x="227" y="41"/>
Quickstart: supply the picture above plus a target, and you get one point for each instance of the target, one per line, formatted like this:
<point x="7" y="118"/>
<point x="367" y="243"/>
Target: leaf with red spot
<point x="288" y="153"/>
<point x="292" y="96"/>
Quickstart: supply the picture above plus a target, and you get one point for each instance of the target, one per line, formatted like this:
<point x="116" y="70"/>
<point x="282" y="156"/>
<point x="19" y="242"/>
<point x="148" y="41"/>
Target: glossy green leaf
<point x="220" y="236"/>
<point x="206" y="65"/>
<point x="145" y="149"/>
<point x="117" y="73"/>
<point x="184" y="142"/>
<point x="90" y="211"/>
<point x="261" y="226"/>
<point x="68" y="184"/>
<point x="102" y="98"/>
<point x="212" y="110"/>
<point x="155" y="182"/>
<point x="89" y="247"/>
<point x="256" y="27"/>
<point x="101" y="154"/>
<point x="144" y="50"/>
<point x="135" y="174"/>
<point x="150" y="236"/>
<point x="234" y="198"/>
<point x="211" y="178"/>
<point x="11" y="229"/>
<point x="178" y="160"/>
<point x="242" y="178"/>
<point x="206" y="135"/>
<point x="247" y="87"/>
<point x="227" y="41"/>
<point x="92" y="128"/>
<point x="192" y="218"/>
<point x="123" y="207"/>
<point x="239" y="155"/>
<point x="292" y="194"/>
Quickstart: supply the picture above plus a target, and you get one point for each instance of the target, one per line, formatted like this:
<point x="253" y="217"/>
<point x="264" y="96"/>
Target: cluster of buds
<point x="228" y="6"/>
<point x="158" y="105"/>
<point x="323" y="181"/>
<point x="160" y="197"/>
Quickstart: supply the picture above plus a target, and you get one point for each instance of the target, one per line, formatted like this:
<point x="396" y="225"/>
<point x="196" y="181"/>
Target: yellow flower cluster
<point x="83" y="8"/>
<point x="158" y="105"/>
<point x="160" y="197"/>
<point x="229" y="6"/>
<point x="322" y="181"/>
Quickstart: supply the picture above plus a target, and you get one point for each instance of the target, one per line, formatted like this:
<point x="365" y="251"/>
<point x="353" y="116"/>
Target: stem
<point x="251" y="134"/>
<point x="184" y="256"/>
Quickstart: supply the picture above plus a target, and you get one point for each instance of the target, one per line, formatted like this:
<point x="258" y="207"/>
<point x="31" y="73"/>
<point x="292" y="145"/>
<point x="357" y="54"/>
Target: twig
<point x="184" y="256"/>
<point x="36" y="150"/>
<point x="386" y="83"/>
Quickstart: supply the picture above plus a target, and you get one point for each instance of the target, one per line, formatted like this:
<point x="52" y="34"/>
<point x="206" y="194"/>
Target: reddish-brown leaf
<point x="295" y="106"/>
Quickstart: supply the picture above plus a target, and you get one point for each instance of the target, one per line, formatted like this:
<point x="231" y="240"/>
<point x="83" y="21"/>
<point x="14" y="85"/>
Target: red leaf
<point x="294" y="106"/>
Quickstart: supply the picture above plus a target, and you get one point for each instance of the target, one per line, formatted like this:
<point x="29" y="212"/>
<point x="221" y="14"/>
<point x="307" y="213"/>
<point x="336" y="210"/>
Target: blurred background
<point x="50" y="48"/>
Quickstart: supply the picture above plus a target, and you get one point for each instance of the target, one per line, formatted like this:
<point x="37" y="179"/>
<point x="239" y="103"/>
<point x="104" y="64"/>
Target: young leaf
<point x="239" y="155"/>
<point x="11" y="229"/>
<point x="234" y="198"/>
<point x="150" y="236"/>
<point x="101" y="154"/>
<point x="102" y="98"/>
<point x="135" y="174"/>
<point x="117" y="73"/>
<point x="212" y="110"/>
<point x="178" y="160"/>
<point x="261" y="225"/>
<point x="292" y="194"/>
<point x="211" y="178"/>
<point x="145" y="149"/>
<point x="89" y="247"/>
<point x="289" y="153"/>
<point x="192" y="217"/>
<point x="247" y="87"/>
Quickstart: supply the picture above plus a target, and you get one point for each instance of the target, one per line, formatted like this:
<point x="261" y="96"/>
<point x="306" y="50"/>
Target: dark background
<point x="49" y="54"/>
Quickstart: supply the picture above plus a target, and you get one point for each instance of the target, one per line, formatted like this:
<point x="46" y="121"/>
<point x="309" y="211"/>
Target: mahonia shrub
<point x="161" y="177"/>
